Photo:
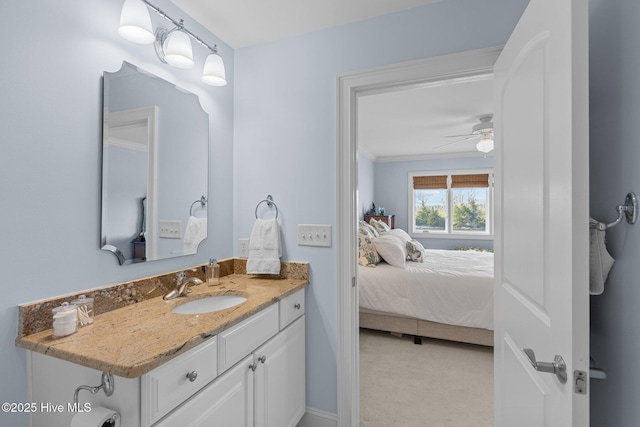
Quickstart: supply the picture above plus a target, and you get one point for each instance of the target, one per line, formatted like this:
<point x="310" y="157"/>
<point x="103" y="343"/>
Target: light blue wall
<point x="391" y="191"/>
<point x="366" y="184"/>
<point x="285" y="134"/>
<point x="615" y="154"/>
<point x="54" y="54"/>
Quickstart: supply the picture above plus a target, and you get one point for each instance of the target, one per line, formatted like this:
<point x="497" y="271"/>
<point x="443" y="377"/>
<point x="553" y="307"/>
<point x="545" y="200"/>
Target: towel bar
<point x="628" y="210"/>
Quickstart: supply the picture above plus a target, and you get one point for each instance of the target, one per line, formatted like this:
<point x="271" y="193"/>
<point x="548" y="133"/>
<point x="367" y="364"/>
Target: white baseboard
<point x="317" y="418"/>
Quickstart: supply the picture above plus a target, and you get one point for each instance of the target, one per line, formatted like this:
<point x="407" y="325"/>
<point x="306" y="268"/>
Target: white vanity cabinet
<point x="265" y="388"/>
<point x="252" y="374"/>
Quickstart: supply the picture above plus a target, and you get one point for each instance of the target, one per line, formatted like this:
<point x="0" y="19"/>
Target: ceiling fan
<point x="482" y="131"/>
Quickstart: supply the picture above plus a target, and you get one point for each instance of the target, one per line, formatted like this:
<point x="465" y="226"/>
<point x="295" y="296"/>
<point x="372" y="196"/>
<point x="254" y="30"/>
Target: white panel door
<point x="542" y="202"/>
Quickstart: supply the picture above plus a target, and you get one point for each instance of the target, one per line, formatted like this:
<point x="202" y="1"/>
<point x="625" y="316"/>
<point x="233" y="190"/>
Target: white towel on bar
<point x="264" y="248"/>
<point x="600" y="261"/>
<point x="195" y="233"/>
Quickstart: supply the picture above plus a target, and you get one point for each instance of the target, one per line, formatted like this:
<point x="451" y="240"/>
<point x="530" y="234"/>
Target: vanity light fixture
<point x="172" y="46"/>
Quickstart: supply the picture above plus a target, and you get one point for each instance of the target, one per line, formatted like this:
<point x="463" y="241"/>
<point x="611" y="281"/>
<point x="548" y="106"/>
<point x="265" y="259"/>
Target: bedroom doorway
<point x="400" y="132"/>
<point x="351" y="87"/>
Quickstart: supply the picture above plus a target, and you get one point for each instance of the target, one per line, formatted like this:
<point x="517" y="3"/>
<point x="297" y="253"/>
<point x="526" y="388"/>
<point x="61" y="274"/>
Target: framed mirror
<point x="154" y="167"/>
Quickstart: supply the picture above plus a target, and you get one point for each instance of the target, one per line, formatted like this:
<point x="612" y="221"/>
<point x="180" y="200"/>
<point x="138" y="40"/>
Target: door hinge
<point x="580" y="382"/>
<point x="353" y="282"/>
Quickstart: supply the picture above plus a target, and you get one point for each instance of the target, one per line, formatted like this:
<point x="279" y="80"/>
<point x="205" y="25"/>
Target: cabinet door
<point x="280" y="378"/>
<point x="227" y="402"/>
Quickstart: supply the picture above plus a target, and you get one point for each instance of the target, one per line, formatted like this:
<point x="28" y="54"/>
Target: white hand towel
<point x="600" y="262"/>
<point x="264" y="248"/>
<point x="195" y="233"/>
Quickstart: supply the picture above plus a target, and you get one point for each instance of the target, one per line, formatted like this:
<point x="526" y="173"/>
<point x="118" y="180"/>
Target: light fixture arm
<point x="181" y="26"/>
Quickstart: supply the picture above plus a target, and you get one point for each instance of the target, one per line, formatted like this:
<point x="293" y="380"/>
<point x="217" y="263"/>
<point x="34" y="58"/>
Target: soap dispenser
<point x="213" y="272"/>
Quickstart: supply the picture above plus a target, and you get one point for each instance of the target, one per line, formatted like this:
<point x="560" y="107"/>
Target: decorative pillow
<point x="372" y="231"/>
<point x="398" y="232"/>
<point x="416" y="251"/>
<point x="379" y="225"/>
<point x="367" y="254"/>
<point x="391" y="249"/>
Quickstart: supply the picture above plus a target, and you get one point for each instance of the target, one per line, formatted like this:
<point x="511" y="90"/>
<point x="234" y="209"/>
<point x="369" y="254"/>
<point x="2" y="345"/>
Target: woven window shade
<point x="480" y="180"/>
<point x="430" y="182"/>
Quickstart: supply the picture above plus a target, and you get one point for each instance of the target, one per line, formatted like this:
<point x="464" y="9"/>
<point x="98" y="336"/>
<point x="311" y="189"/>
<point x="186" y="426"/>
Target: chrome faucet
<point x="182" y="286"/>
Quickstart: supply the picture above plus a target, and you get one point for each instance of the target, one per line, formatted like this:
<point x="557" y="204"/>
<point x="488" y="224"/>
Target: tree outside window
<point x="470" y="209"/>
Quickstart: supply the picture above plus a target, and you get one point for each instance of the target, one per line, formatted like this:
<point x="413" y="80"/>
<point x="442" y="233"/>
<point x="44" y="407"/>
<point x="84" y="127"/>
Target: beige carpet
<point x="436" y="384"/>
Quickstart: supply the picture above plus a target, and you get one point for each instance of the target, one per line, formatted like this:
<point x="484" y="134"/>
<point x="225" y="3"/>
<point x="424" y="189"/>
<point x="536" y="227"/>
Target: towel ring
<point x="269" y="201"/>
<point x="202" y="200"/>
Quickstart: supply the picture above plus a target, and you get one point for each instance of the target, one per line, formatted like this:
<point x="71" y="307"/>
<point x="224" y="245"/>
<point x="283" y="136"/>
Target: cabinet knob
<point x="253" y="366"/>
<point x="262" y="359"/>
<point x="297" y="306"/>
<point x="192" y="376"/>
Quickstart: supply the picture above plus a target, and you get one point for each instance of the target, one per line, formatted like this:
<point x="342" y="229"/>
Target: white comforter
<point x="451" y="287"/>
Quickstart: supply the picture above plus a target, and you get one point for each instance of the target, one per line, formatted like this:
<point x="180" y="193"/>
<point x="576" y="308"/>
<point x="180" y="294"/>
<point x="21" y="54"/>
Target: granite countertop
<point x="137" y="338"/>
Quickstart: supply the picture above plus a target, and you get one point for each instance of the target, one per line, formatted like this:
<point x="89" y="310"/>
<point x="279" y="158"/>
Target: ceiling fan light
<point x="135" y="23"/>
<point x="177" y="49"/>
<point x="485" y="145"/>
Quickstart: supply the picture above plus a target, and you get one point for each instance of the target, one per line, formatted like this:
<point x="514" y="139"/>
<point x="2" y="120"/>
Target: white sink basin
<point x="209" y="305"/>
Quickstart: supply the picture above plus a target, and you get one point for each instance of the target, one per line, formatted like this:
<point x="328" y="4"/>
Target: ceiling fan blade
<point x="455" y="142"/>
<point x="458" y="136"/>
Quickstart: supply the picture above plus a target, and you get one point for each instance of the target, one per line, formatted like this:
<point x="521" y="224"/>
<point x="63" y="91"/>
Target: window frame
<point x="448" y="232"/>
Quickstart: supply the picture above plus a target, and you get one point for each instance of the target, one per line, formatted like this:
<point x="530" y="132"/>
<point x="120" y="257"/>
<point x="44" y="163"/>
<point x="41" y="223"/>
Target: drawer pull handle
<point x="297" y="306"/>
<point x="192" y="376"/>
<point x="253" y="366"/>
<point x="262" y="359"/>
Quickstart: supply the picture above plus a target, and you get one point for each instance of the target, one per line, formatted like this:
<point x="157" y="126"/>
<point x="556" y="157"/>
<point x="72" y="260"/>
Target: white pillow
<point x="391" y="249"/>
<point x="398" y="232"/>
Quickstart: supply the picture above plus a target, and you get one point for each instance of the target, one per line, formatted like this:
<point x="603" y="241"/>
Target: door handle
<point x="558" y="366"/>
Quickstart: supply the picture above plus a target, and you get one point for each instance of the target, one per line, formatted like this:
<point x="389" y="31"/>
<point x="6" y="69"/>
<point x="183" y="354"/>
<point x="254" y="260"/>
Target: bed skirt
<point x="397" y="323"/>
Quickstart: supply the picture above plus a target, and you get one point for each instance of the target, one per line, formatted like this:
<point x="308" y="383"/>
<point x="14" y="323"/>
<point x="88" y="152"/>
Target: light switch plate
<point x="314" y="235"/>
<point x="170" y="229"/>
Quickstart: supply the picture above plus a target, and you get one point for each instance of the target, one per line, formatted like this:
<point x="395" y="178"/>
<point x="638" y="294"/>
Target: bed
<point x="447" y="296"/>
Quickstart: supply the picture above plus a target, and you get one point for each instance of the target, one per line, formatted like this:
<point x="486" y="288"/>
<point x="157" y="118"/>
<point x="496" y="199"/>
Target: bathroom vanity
<point x="240" y="366"/>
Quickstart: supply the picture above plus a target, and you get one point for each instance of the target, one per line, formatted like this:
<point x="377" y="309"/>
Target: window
<point x="447" y="204"/>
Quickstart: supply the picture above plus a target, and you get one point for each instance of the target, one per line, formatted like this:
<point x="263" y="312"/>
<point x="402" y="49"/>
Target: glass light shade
<point x="135" y="23"/>
<point x="485" y="145"/>
<point x="213" y="73"/>
<point x="177" y="50"/>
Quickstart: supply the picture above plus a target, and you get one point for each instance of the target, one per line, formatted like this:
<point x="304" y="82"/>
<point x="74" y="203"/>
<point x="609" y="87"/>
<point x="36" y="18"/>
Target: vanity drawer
<point x="235" y="343"/>
<point x="169" y="385"/>
<point x="291" y="308"/>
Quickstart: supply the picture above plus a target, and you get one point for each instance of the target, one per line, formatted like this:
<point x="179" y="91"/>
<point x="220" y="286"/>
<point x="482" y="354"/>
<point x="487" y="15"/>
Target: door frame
<point x="349" y="87"/>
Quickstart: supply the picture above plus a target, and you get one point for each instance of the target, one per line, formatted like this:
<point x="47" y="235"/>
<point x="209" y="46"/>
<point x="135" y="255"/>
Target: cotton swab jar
<point x="85" y="310"/>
